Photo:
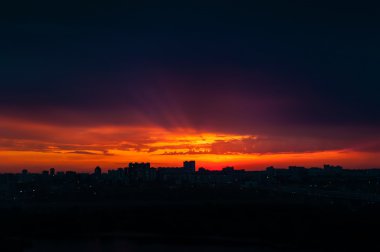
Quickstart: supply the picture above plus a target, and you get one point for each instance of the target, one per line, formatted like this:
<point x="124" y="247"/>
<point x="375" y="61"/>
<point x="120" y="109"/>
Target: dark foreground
<point x="253" y="221"/>
<point x="119" y="245"/>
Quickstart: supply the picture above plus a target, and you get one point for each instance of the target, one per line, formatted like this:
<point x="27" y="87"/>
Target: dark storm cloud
<point x="287" y="69"/>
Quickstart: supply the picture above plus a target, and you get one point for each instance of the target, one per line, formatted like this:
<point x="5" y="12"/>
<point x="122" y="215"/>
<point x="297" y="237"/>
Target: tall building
<point x="189" y="166"/>
<point x="142" y="166"/>
<point x="52" y="172"/>
<point x="140" y="172"/>
<point x="98" y="171"/>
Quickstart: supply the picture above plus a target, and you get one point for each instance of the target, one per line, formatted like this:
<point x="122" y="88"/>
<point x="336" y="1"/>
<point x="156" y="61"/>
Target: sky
<point x="221" y="82"/>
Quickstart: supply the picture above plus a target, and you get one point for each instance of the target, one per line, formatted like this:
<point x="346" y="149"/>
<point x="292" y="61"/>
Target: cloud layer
<point x="149" y="82"/>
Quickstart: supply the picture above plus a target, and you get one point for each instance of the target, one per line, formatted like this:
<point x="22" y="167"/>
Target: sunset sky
<point x="222" y="83"/>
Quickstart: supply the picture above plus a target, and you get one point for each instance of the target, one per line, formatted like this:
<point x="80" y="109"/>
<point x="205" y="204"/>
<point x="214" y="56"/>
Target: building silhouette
<point x="189" y="166"/>
<point x="52" y="172"/>
<point x="98" y="171"/>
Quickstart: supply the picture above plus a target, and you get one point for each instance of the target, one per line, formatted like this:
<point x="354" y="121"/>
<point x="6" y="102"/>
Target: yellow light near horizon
<point x="120" y="158"/>
<point x="82" y="148"/>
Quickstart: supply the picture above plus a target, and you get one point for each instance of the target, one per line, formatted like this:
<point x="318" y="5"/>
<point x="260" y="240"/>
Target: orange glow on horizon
<point x="37" y="161"/>
<point x="38" y="146"/>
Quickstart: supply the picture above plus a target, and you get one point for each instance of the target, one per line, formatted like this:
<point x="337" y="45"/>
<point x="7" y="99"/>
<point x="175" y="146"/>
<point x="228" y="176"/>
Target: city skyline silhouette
<point x="213" y="125"/>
